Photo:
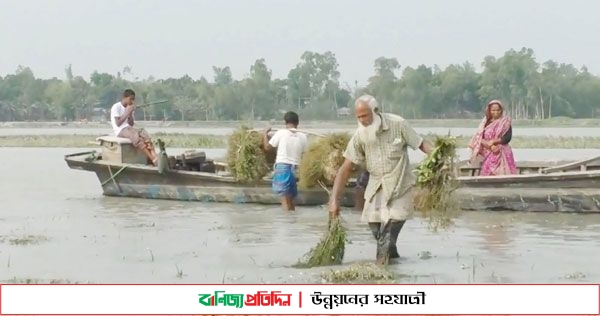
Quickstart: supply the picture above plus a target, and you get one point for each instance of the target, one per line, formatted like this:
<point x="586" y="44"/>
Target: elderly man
<point x="380" y="142"/>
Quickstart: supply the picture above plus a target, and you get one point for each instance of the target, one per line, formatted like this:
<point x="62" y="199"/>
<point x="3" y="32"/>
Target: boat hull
<point x="557" y="192"/>
<point x="146" y="182"/>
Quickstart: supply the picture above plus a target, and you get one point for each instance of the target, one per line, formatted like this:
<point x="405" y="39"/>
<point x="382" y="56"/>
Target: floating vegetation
<point x="575" y="276"/>
<point x="435" y="183"/>
<point x="424" y="255"/>
<point x="247" y="160"/>
<point x="322" y="159"/>
<point x="16" y="280"/>
<point x="359" y="273"/>
<point x="330" y="250"/>
<point x="24" y="240"/>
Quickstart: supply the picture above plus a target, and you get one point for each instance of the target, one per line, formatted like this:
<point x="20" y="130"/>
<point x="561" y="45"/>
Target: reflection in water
<point x="497" y="239"/>
<point x="496" y="230"/>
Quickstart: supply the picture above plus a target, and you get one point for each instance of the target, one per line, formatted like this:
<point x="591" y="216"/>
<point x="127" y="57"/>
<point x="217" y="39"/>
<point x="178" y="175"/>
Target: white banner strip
<point x="299" y="299"/>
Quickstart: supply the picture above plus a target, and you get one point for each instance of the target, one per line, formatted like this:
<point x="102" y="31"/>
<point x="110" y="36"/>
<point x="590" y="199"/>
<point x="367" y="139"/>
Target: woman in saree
<point x="490" y="144"/>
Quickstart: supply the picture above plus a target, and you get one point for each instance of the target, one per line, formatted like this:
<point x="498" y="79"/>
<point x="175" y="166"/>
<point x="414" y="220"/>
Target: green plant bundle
<point x="330" y="250"/>
<point x="247" y="161"/>
<point x="436" y="181"/>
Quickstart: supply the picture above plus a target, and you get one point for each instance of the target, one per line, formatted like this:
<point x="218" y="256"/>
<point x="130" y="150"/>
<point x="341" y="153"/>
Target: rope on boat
<point x="113" y="176"/>
<point x="91" y="157"/>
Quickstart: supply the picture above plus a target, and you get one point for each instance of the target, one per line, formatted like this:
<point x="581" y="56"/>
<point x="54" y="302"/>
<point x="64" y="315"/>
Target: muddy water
<point x="56" y="226"/>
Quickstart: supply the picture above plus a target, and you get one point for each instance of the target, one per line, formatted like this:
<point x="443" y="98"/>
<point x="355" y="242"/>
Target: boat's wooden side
<point x="146" y="182"/>
<point x="539" y="167"/>
<point x="563" y="180"/>
<point x="537" y="174"/>
<point x="556" y="190"/>
<point x="530" y="199"/>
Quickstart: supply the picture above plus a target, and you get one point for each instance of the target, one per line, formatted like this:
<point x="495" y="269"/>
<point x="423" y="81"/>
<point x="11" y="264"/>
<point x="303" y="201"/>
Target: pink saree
<point x="493" y="164"/>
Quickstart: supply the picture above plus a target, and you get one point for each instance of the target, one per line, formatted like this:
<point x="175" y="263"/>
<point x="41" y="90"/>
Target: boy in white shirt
<point x="121" y="119"/>
<point x="290" y="146"/>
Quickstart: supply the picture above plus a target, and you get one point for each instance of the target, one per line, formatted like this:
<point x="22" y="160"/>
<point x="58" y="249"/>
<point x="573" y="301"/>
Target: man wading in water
<point x="380" y="142"/>
<point x="290" y="146"/>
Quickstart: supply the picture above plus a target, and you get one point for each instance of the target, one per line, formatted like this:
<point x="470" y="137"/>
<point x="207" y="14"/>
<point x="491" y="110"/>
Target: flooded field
<point x="55" y="226"/>
<point x="212" y="130"/>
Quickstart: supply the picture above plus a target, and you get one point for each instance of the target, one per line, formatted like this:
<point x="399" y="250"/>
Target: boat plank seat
<point x="221" y="166"/>
<point x="120" y="150"/>
<point x="582" y="165"/>
<point x="471" y="170"/>
<point x="113" y="139"/>
<point x="523" y="167"/>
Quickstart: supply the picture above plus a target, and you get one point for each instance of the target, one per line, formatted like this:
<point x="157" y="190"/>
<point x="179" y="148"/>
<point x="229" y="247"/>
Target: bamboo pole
<point x="297" y="130"/>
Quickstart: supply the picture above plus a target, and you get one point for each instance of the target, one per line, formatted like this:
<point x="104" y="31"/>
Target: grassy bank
<point x="81" y="141"/>
<point x="349" y="121"/>
<point x="213" y="141"/>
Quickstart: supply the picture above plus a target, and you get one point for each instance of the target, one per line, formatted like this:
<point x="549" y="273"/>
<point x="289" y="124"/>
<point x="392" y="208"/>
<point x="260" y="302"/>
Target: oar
<point x="151" y="103"/>
<point x="298" y="130"/>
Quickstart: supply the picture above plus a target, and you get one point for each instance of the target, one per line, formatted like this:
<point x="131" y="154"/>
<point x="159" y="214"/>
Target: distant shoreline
<point x="178" y="140"/>
<point x="457" y="123"/>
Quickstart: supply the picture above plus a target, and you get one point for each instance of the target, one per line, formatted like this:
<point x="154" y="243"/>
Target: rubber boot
<point x="383" y="243"/>
<point x="375" y="227"/>
<point x="387" y="237"/>
<point x="395" y="228"/>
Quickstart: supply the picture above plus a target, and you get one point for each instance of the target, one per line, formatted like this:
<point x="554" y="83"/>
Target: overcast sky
<point x="176" y="37"/>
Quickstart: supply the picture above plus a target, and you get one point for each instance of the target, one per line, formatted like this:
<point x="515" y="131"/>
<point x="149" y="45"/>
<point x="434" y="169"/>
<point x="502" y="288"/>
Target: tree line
<point x="528" y="89"/>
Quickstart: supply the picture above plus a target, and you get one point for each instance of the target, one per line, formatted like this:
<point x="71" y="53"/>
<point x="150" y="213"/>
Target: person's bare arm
<point x="341" y="178"/>
<point x="121" y="119"/>
<point x="130" y="119"/>
<point x="265" y="142"/>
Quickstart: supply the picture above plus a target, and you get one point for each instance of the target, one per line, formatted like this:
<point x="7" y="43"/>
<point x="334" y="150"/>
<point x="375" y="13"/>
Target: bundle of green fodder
<point x="436" y="182"/>
<point x="360" y="273"/>
<point x="322" y="159"/>
<point x="330" y="249"/>
<point x="248" y="162"/>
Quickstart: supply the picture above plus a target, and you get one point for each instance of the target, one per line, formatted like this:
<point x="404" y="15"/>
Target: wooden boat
<point x="554" y="186"/>
<point x="122" y="171"/>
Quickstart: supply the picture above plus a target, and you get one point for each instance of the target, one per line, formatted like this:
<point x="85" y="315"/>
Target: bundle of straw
<point x="247" y="160"/>
<point x="330" y="250"/>
<point x="322" y="159"/>
<point x="435" y="183"/>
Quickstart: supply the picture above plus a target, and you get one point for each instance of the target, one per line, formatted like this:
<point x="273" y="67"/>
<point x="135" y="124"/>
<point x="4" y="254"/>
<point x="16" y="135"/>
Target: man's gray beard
<point x="368" y="134"/>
